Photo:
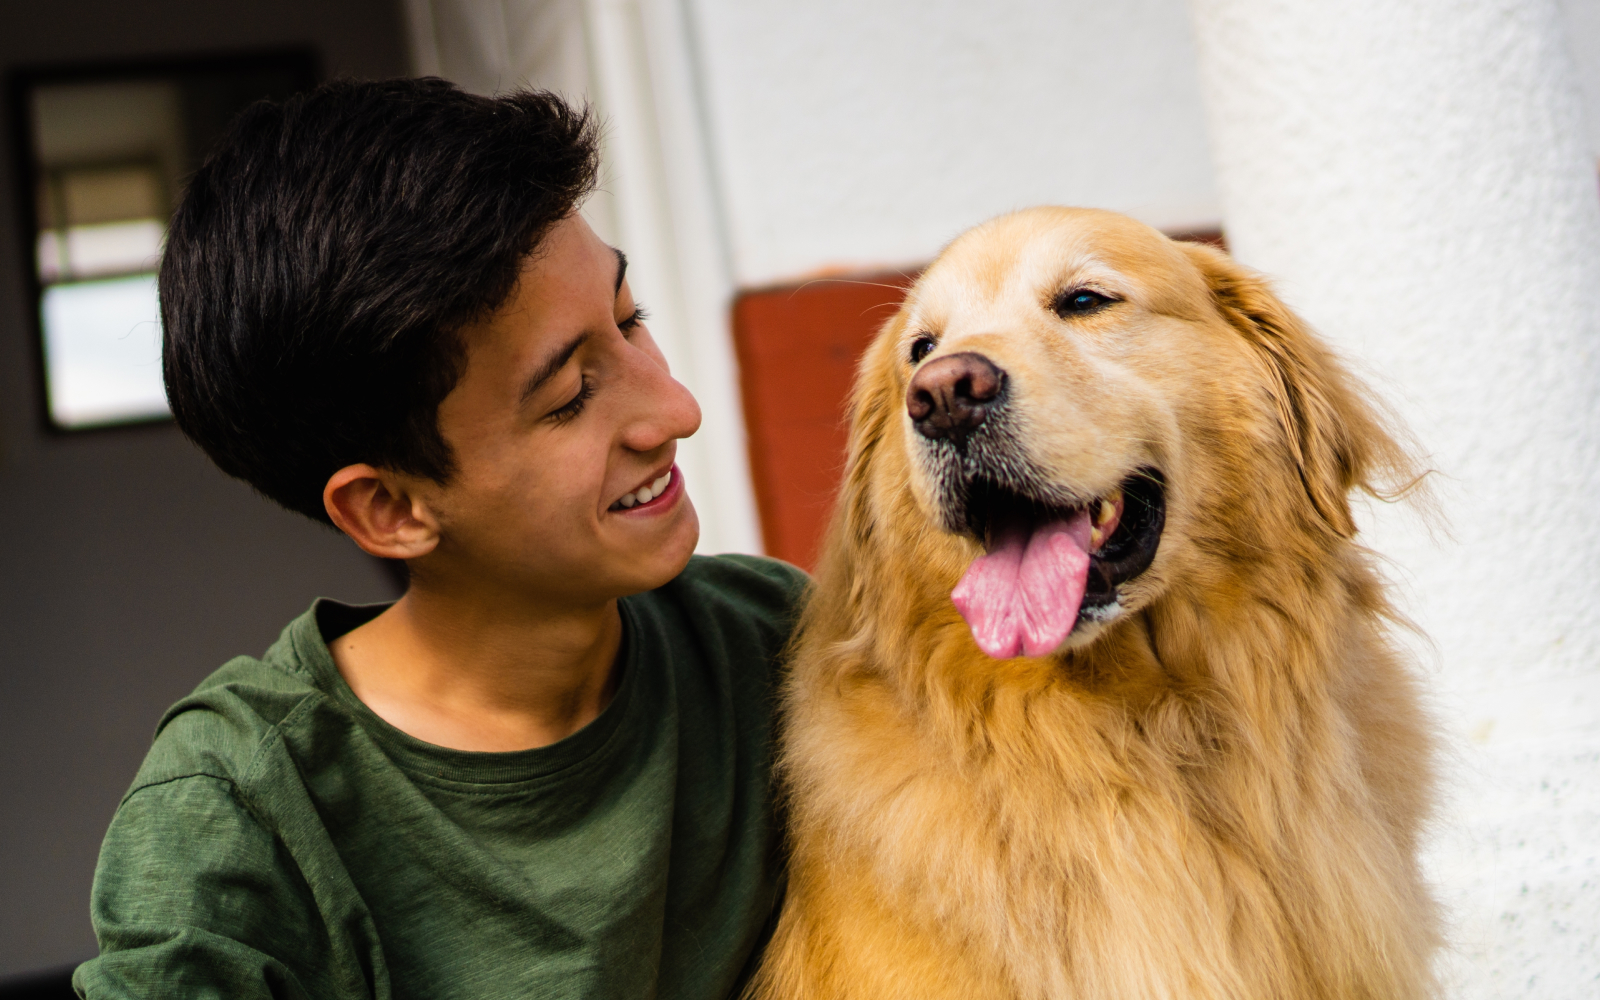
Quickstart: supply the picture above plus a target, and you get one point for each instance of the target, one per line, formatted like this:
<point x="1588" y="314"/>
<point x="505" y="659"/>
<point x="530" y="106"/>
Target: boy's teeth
<point x="645" y="494"/>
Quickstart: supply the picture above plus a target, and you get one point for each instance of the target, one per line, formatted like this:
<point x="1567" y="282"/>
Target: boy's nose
<point x="666" y="410"/>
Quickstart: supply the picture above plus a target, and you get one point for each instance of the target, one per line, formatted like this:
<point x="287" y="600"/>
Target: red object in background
<point x="797" y="349"/>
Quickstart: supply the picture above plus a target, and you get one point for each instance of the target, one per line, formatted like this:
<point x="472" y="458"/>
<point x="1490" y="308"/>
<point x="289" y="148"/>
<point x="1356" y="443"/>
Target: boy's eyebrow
<point x="558" y="360"/>
<point x="552" y="364"/>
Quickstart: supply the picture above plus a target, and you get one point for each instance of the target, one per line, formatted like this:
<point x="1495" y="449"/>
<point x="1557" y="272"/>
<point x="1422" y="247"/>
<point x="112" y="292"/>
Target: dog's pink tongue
<point x="1023" y="596"/>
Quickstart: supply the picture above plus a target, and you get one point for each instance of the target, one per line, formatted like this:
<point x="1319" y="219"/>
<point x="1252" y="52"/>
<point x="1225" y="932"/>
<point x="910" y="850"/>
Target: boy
<point x="544" y="770"/>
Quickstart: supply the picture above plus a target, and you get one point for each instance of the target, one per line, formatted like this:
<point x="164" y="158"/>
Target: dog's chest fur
<point x="1135" y="837"/>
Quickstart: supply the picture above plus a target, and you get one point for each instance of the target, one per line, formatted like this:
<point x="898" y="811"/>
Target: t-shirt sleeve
<point x="193" y="897"/>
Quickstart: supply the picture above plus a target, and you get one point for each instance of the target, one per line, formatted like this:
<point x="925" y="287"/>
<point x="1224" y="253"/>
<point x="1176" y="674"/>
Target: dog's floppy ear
<point x="1335" y="435"/>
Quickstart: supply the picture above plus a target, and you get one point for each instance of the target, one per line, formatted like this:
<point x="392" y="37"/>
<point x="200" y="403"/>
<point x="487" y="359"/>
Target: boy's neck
<point x="486" y="675"/>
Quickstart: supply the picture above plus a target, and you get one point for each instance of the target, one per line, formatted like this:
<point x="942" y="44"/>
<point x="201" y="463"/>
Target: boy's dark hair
<point x="323" y="259"/>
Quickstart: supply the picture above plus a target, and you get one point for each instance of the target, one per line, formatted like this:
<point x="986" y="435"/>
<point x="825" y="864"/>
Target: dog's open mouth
<point x="1049" y="568"/>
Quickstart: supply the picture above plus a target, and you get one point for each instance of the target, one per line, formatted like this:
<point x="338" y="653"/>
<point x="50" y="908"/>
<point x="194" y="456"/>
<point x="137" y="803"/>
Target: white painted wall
<point x="1419" y="179"/>
<point x="855" y="133"/>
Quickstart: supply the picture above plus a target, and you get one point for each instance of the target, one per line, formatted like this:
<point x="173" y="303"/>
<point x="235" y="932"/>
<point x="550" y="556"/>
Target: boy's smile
<point x="564" y="426"/>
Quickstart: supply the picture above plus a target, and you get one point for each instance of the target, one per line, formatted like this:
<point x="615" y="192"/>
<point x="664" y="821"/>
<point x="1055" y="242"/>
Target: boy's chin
<point x="656" y="565"/>
<point x="685" y="538"/>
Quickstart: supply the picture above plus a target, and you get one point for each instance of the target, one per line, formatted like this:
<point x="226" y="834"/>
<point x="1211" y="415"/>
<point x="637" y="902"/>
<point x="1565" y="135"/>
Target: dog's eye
<point x="1079" y="301"/>
<point x="921" y="348"/>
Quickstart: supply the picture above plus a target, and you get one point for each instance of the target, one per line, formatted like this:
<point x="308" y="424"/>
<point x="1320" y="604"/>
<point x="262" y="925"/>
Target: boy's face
<point x="564" y="408"/>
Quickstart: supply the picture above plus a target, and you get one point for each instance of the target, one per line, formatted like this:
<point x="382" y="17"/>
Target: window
<point x="105" y="152"/>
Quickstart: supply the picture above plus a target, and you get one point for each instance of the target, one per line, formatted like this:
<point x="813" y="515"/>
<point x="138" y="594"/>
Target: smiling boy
<point x="543" y="771"/>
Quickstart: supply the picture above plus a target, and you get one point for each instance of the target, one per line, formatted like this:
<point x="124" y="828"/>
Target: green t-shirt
<point x="282" y="840"/>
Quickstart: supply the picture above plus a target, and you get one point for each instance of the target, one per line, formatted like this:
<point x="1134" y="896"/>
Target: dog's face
<point x="1080" y="407"/>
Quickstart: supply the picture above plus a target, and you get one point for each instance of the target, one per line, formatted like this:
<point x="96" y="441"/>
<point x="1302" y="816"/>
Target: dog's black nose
<point x="949" y="397"/>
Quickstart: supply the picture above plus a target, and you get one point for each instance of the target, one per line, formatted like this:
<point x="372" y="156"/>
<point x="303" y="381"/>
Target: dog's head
<point x="1071" y="411"/>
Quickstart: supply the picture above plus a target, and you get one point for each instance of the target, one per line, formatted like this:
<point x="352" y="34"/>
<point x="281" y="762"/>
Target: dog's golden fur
<point x="1216" y="794"/>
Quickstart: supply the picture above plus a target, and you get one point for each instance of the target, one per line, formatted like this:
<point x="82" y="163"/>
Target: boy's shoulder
<point x="218" y="729"/>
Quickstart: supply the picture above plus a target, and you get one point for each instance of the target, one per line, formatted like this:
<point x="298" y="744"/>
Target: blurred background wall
<point x="130" y="567"/>
<point x="776" y="171"/>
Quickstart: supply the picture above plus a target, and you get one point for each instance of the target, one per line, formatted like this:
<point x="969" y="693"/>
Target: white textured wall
<point x="1421" y="179"/>
<point x="849" y="132"/>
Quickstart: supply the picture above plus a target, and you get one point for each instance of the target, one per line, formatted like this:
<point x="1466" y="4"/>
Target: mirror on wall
<point x="103" y="153"/>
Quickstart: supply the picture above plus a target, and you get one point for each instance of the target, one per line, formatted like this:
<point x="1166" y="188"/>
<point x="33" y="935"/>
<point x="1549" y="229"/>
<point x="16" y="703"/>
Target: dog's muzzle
<point x="987" y="487"/>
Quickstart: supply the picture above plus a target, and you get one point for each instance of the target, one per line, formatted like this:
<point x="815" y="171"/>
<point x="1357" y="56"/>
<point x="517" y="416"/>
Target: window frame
<point x="300" y="62"/>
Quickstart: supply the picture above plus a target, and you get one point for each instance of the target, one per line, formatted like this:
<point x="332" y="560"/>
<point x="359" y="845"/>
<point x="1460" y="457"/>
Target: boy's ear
<point x="377" y="510"/>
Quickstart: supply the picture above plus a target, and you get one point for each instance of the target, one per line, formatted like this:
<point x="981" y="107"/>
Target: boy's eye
<point x="574" y="406"/>
<point x="632" y="322"/>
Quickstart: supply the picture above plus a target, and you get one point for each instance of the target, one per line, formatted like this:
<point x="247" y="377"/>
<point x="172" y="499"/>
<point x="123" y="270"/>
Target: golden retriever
<point x="1095" y="697"/>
